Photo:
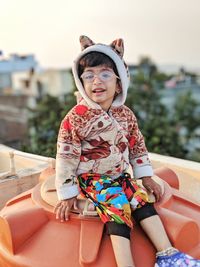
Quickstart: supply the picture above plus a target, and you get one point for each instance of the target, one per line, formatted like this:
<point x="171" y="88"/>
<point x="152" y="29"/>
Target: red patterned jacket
<point x="92" y="140"/>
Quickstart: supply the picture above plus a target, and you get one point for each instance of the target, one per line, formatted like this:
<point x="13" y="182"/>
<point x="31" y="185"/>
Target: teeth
<point x="98" y="90"/>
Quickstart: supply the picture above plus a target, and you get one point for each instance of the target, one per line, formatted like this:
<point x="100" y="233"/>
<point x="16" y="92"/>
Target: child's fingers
<point x="62" y="209"/>
<point x="66" y="213"/>
<point x="157" y="192"/>
<point x="56" y="207"/>
<point x="60" y="213"/>
<point x="75" y="204"/>
<point x="153" y="187"/>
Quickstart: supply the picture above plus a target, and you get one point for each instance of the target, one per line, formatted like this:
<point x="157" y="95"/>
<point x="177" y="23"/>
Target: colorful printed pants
<point x="113" y="199"/>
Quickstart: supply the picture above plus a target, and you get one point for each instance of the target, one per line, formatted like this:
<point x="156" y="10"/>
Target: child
<point x="97" y="141"/>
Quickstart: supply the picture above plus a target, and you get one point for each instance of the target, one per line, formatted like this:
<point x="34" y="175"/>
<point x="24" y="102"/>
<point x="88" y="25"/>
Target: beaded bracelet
<point x="167" y="252"/>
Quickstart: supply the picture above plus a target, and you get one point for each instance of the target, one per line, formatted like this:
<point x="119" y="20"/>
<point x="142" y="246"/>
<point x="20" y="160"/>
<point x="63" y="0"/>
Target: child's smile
<point x="98" y="91"/>
<point x="101" y="89"/>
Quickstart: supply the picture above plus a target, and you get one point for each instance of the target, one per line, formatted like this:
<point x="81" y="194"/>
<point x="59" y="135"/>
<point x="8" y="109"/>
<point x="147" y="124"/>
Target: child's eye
<point x="89" y="76"/>
<point x="105" y="75"/>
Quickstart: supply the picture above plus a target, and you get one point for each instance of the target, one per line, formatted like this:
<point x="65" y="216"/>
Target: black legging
<point x="140" y="214"/>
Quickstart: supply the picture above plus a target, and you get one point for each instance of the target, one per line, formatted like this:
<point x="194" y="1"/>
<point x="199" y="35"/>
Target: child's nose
<point x="97" y="80"/>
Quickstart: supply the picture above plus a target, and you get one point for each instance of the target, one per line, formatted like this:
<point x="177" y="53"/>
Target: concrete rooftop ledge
<point x="181" y="163"/>
<point x="15" y="162"/>
<point x="187" y="171"/>
<point x="20" y="171"/>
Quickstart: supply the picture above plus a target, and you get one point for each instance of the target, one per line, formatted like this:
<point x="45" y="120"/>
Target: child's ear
<point x="85" y="42"/>
<point x="118" y="46"/>
<point x="118" y="87"/>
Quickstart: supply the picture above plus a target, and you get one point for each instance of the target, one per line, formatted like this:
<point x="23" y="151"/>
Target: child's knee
<point x="144" y="212"/>
<point x="113" y="228"/>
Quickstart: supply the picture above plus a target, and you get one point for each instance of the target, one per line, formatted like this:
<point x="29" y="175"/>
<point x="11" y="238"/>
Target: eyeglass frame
<point x="97" y="75"/>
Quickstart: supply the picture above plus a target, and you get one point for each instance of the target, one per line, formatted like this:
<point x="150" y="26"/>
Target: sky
<point x="166" y="31"/>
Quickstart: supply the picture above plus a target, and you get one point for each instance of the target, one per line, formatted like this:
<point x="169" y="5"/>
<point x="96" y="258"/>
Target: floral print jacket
<point x="92" y="140"/>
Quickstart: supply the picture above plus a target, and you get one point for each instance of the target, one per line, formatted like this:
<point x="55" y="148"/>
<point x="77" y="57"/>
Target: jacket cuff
<point x="142" y="171"/>
<point x="142" y="166"/>
<point x="66" y="192"/>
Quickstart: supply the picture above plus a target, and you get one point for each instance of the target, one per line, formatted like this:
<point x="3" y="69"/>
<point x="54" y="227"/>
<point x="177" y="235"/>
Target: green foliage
<point x="160" y="127"/>
<point x="44" y="124"/>
<point x="147" y="71"/>
<point x="187" y="117"/>
<point x="194" y="155"/>
<point x="161" y="135"/>
<point x="186" y="113"/>
<point x="167" y="132"/>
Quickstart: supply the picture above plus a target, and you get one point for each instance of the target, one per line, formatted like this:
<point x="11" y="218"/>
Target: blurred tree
<point x="147" y="67"/>
<point x="44" y="124"/>
<point x="161" y="131"/>
<point x="161" y="136"/>
<point x="148" y="71"/>
<point x="187" y="113"/>
<point x="187" y="119"/>
<point x="194" y="155"/>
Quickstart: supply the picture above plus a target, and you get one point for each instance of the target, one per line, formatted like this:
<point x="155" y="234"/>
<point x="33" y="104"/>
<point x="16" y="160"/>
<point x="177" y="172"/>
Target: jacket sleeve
<point x="138" y="153"/>
<point x="67" y="160"/>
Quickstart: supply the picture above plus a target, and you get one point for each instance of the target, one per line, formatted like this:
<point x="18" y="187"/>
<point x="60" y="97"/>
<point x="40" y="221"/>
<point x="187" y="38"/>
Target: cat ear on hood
<point x="118" y="46"/>
<point x="114" y="51"/>
<point x="85" y="42"/>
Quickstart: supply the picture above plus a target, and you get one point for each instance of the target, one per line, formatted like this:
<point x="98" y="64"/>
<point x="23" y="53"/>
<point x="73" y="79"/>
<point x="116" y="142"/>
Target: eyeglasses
<point x="104" y="76"/>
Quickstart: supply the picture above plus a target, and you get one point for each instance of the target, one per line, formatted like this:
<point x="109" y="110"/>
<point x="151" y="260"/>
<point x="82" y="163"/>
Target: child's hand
<point x="63" y="208"/>
<point x="152" y="187"/>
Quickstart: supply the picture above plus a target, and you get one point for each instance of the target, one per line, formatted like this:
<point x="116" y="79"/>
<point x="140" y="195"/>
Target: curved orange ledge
<point x="30" y="236"/>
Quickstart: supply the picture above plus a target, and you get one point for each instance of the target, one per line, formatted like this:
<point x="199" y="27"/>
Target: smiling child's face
<point x="99" y="91"/>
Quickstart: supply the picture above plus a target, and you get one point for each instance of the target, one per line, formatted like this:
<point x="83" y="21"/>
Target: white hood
<point x="121" y="68"/>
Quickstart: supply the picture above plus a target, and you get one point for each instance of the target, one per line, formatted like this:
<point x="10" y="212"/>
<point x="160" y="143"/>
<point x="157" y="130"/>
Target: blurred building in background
<point x="22" y="84"/>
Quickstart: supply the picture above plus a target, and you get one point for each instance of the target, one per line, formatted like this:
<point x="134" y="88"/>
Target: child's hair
<point x="94" y="59"/>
